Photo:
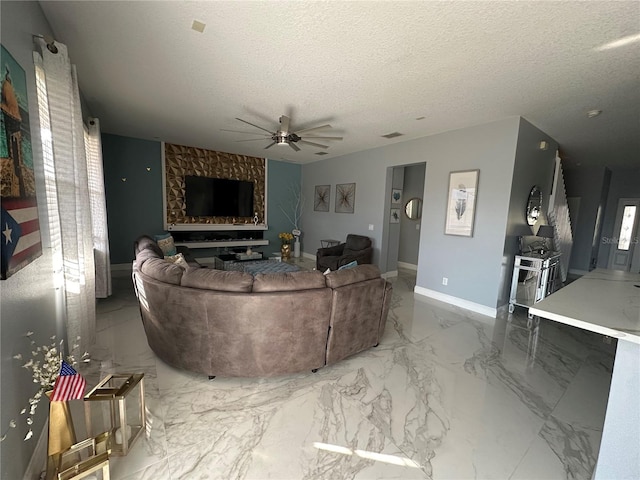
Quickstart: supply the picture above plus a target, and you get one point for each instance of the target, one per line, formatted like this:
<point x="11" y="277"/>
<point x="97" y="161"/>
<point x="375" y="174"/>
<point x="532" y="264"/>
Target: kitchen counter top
<point x="608" y="302"/>
<point x="603" y="301"/>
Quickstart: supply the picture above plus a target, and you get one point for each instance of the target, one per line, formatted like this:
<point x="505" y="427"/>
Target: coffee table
<point x="229" y="261"/>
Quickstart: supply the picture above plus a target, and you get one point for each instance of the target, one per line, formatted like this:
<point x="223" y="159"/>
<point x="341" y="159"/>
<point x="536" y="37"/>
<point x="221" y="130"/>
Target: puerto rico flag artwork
<point x="19" y="234"/>
<point x="20" y="241"/>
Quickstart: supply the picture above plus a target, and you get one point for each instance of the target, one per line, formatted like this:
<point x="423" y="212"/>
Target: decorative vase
<point x="296" y="248"/>
<point x="61" y="432"/>
<point x="285" y="251"/>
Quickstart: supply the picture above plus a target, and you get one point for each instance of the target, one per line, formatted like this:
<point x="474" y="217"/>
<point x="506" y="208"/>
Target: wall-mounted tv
<point x="218" y="197"/>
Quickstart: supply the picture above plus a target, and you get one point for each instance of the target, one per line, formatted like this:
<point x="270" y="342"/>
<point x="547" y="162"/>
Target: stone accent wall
<point x="181" y="160"/>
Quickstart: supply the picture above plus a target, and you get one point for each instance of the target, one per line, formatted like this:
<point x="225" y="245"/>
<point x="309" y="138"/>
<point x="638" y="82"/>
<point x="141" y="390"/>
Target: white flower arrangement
<point x="45" y="363"/>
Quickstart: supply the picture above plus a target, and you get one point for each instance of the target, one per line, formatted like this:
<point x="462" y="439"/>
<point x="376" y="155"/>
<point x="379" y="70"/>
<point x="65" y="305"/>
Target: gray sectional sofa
<point x="235" y="324"/>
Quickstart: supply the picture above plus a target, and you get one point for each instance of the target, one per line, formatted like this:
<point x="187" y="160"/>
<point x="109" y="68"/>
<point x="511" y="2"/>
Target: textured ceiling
<point x="368" y="68"/>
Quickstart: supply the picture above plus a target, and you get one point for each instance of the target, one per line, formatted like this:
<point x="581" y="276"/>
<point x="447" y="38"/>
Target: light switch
<point x="371" y="227"/>
<point x="417" y="226"/>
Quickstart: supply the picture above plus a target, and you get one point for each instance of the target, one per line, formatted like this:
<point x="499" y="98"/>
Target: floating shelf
<point x="223" y="243"/>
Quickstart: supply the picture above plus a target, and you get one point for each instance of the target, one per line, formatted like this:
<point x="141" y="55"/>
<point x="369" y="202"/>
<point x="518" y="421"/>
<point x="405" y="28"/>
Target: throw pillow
<point x="177" y="259"/>
<point x="349" y="265"/>
<point x="165" y="242"/>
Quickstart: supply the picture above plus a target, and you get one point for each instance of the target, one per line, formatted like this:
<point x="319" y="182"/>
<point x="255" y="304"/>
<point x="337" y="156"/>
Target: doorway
<point x="405" y="186"/>
<point x="624" y="241"/>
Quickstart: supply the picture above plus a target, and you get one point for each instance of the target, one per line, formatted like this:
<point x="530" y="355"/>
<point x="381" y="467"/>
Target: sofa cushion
<point x="220" y="280"/>
<point x="177" y="259"/>
<point x="147" y="253"/>
<point x="348" y="276"/>
<point x="286" y="282"/>
<point x="355" y="243"/>
<point x="145" y="242"/>
<point x="161" y="270"/>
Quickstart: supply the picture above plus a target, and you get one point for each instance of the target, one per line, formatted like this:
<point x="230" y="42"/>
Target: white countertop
<point x="602" y="301"/>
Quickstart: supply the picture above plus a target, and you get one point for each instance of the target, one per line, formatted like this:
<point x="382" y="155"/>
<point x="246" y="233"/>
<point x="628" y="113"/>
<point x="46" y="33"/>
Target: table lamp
<point x="545" y="231"/>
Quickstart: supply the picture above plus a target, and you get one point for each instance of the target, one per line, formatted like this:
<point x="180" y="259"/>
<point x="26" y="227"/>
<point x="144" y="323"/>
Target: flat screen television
<point x="218" y="197"/>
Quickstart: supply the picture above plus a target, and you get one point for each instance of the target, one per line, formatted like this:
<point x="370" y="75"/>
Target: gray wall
<point x="625" y="183"/>
<point x="473" y="265"/>
<point x="410" y="236"/>
<point x="586" y="183"/>
<point x="134" y="207"/>
<point x="29" y="300"/>
<point x="532" y="167"/>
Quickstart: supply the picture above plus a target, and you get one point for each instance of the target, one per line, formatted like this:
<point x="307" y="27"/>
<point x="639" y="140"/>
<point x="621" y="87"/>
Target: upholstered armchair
<point x="357" y="247"/>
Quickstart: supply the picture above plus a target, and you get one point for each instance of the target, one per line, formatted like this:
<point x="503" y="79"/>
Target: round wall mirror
<point x="534" y="205"/>
<point x="413" y="208"/>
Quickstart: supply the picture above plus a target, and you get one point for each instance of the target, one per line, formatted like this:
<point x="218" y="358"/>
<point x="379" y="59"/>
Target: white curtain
<point x="68" y="189"/>
<point x="93" y="147"/>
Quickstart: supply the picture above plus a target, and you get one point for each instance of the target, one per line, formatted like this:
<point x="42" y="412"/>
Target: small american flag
<point x="69" y="384"/>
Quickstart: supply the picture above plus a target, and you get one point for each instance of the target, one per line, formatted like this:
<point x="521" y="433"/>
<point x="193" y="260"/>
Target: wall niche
<point x="180" y="160"/>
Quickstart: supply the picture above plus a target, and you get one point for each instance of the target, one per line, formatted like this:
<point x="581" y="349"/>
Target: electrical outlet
<point x="417" y="226"/>
<point x="445" y="281"/>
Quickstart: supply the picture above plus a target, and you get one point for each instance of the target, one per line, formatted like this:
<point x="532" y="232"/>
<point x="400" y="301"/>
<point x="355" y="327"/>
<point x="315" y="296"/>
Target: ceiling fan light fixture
<point x="286" y="136"/>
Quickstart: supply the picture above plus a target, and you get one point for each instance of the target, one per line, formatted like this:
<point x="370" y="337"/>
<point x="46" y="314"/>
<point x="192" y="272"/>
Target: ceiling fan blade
<point x="251" y="140"/>
<point x="249" y="123"/>
<point x="325" y="138"/>
<point x="284" y="124"/>
<point x="270" y="145"/>
<point x="313" y="144"/>
<point x="241" y="131"/>
<point x="307" y="130"/>
<point x="294" y="146"/>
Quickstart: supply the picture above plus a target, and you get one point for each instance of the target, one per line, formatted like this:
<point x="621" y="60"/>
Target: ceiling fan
<point x="286" y="136"/>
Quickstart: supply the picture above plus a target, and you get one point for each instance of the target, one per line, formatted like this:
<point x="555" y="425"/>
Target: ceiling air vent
<point x="322" y="153"/>
<point x="393" y="135"/>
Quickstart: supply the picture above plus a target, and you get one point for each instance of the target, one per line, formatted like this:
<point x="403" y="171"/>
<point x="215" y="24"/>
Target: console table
<point x="608" y="302"/>
<point x="540" y="276"/>
<point x="239" y="237"/>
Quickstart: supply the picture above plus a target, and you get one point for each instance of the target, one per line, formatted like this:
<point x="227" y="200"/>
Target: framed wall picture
<point x="321" y="198"/>
<point x="395" y="215"/>
<point x="396" y="196"/>
<point x="345" y="197"/>
<point x="461" y="203"/>
<point x="21" y="242"/>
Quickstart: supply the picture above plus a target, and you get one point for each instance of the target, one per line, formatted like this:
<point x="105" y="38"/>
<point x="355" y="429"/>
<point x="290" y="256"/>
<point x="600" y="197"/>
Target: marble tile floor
<point x="448" y="394"/>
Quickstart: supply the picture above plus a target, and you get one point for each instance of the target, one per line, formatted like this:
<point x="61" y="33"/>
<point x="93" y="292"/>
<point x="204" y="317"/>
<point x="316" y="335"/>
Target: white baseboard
<point x="38" y="462"/>
<point x="309" y="256"/>
<point x="391" y="274"/>
<point x="459" y="302"/>
<point x="408" y="266"/>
